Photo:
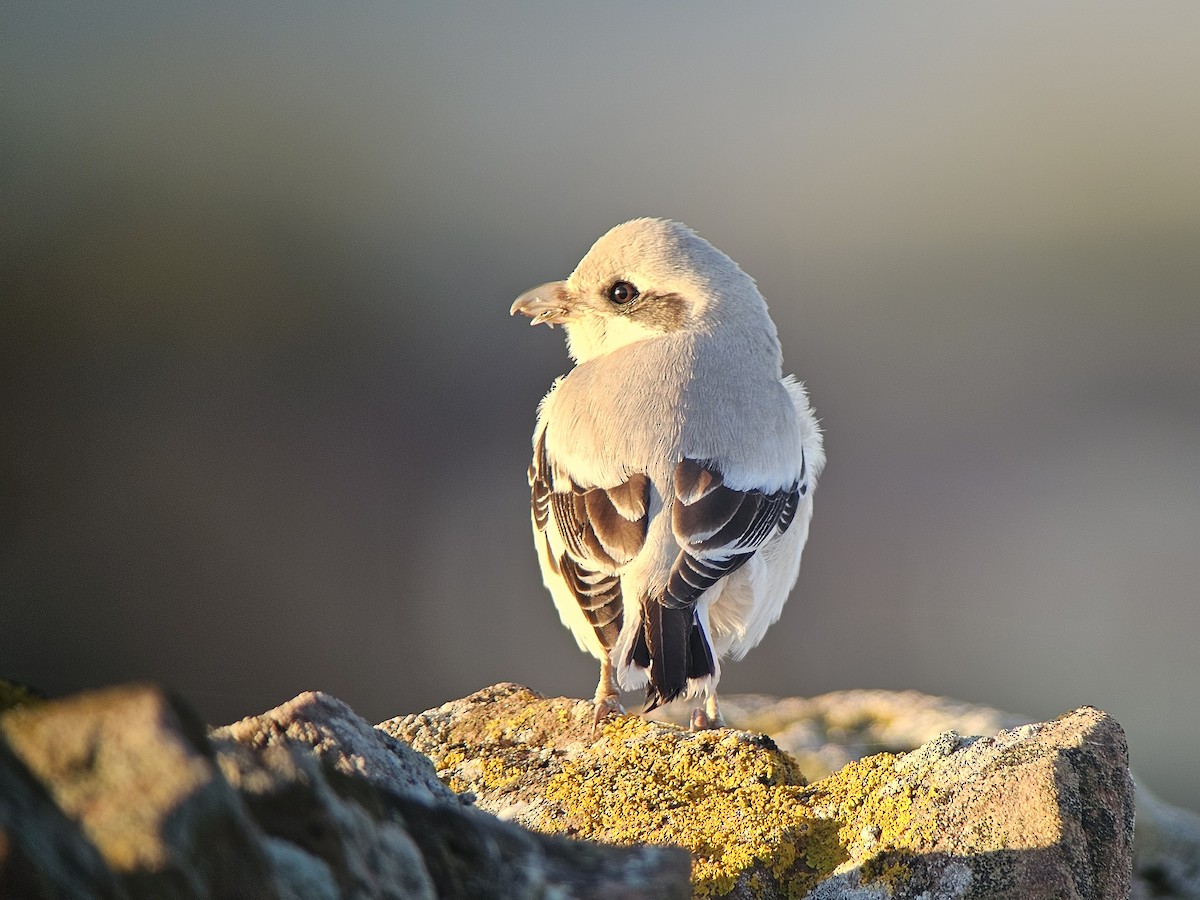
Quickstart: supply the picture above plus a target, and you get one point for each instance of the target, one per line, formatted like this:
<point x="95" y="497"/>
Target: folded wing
<point x="589" y="534"/>
<point x="718" y="529"/>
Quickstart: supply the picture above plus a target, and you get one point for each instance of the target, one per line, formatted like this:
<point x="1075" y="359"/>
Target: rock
<point x="824" y="733"/>
<point x="131" y="768"/>
<point x="332" y="733"/>
<point x="307" y="769"/>
<point x="42" y="852"/>
<point x="534" y="761"/>
<point x="1041" y="811"/>
<point x="327" y="835"/>
<point x="121" y="793"/>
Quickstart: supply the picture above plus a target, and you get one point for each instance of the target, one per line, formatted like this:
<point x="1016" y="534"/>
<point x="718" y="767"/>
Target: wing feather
<point x="718" y="528"/>
<point x="601" y="530"/>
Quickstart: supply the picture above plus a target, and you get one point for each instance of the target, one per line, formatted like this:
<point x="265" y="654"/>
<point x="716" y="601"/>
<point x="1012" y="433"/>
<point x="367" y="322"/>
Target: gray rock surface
<point x="121" y="793"/>
<point x="335" y="736"/>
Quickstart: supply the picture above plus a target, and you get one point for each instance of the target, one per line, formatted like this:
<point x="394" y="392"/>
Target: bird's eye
<point x="622" y="292"/>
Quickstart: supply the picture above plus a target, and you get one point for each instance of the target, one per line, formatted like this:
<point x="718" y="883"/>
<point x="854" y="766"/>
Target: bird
<point x="674" y="465"/>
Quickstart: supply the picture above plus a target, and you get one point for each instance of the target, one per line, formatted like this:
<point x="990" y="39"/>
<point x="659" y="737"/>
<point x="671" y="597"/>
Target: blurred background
<point x="265" y="418"/>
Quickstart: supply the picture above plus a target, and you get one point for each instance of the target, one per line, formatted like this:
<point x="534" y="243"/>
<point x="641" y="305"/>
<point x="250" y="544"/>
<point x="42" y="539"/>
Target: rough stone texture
<point x="132" y="768"/>
<point x="534" y="761"/>
<point x="343" y="742"/>
<point x="121" y="793"/>
<point x="1041" y="811"/>
<point x="824" y="733"/>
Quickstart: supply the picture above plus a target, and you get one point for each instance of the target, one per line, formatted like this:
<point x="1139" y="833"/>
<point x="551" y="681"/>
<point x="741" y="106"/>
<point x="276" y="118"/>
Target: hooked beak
<point x="547" y="303"/>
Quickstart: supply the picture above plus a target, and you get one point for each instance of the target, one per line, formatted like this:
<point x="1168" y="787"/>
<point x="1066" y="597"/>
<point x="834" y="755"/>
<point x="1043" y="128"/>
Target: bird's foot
<point x="704" y="718"/>
<point x="606" y="705"/>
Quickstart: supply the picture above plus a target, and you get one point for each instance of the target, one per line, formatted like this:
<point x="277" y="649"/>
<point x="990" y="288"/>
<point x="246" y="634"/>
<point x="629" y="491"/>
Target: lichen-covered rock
<point x="728" y="796"/>
<point x="374" y="817"/>
<point x="1042" y="811"/>
<point x="121" y="794"/>
<point x="827" y="732"/>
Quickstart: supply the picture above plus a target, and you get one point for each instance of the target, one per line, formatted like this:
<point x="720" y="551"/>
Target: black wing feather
<point x="718" y="530"/>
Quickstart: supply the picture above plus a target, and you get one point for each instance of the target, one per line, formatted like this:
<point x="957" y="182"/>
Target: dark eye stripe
<point x="662" y="312"/>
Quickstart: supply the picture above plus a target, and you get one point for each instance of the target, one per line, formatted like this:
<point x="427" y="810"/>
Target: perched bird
<point x="673" y="467"/>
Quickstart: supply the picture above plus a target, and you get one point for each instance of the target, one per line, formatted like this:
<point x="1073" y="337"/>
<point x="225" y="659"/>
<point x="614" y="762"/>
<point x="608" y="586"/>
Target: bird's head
<point x="644" y="279"/>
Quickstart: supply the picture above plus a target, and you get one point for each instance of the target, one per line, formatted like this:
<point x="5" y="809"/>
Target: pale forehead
<point x="653" y="247"/>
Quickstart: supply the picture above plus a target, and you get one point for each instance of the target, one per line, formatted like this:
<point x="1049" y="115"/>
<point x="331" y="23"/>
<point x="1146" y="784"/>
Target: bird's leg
<point x="608" y="698"/>
<point x="708" y="715"/>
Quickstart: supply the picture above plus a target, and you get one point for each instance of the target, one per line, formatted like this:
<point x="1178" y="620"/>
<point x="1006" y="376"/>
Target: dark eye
<point x="622" y="292"/>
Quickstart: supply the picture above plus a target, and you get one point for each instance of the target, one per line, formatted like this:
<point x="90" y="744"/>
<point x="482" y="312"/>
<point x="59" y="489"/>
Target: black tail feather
<point x="701" y="662"/>
<point x="675" y="648"/>
<point x="639" y="653"/>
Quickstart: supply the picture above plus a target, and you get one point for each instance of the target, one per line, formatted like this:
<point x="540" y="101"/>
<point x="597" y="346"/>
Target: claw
<point x="605" y="707"/>
<point x="608" y="698"/>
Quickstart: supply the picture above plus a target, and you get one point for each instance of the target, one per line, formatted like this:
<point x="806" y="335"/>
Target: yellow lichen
<point x="871" y="796"/>
<point x="734" y="800"/>
<point x="482" y="774"/>
<point x="511" y="727"/>
<point x="449" y="760"/>
<point x="893" y="872"/>
<point x="731" y="801"/>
